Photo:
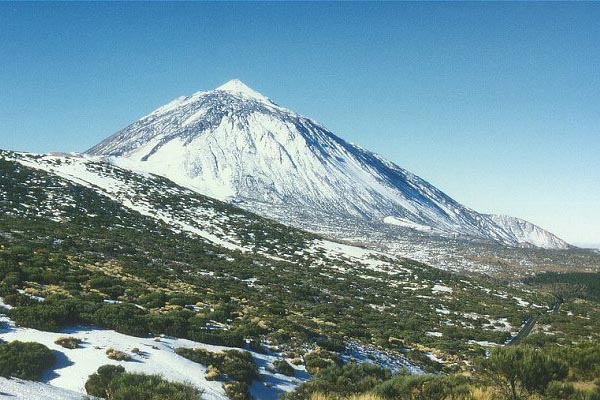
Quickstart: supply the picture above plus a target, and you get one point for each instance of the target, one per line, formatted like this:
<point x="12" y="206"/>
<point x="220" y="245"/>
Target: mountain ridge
<point x="235" y="144"/>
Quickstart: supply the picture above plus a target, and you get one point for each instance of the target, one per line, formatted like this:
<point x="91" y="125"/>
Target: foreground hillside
<point x="87" y="247"/>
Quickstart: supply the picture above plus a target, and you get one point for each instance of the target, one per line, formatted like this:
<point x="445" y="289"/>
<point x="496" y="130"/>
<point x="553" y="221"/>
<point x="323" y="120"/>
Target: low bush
<point x="53" y="316"/>
<point x="124" y="318"/>
<point x="98" y="383"/>
<point x="331" y="344"/>
<point x="238" y="365"/>
<point x="217" y="337"/>
<point x="560" y="391"/>
<point x="317" y="360"/>
<point x="212" y="373"/>
<point x="283" y="367"/>
<point x="417" y="387"/>
<point x="117" y="355"/>
<point x="25" y="360"/>
<point x="342" y="381"/>
<point x="518" y="371"/>
<point x="368" y="396"/>
<point x="113" y="383"/>
<point x="68" y="342"/>
<point x="237" y="390"/>
<point x="583" y="359"/>
<point x="18" y="299"/>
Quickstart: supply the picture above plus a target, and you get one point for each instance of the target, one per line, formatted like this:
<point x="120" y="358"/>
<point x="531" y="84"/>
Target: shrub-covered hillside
<point x="76" y="246"/>
<point x="144" y="257"/>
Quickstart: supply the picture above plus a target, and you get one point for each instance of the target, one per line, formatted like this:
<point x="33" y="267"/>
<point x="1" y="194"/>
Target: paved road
<point x="530" y="323"/>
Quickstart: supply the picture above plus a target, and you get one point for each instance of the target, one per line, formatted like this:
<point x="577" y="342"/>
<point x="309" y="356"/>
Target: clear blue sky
<point x="498" y="104"/>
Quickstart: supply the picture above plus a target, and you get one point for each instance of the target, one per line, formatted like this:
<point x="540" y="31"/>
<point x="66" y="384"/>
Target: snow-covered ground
<point x="156" y="356"/>
<point x="441" y="289"/>
<point x="18" y="389"/>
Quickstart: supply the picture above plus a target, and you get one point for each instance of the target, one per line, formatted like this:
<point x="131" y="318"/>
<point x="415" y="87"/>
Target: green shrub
<point x="560" y="391"/>
<point x="25" y="360"/>
<point x="342" y="381"/>
<point x="320" y="359"/>
<point x="331" y="344"/>
<point x="124" y="318"/>
<point x="113" y="383"/>
<point x="430" y="387"/>
<point x="174" y="323"/>
<point x="54" y="315"/>
<point x="520" y="370"/>
<point x="98" y="383"/>
<point x="583" y="359"/>
<point x="283" y="367"/>
<point x="238" y="365"/>
<point x="237" y="390"/>
<point x="217" y="337"/>
<point x="18" y="299"/>
<point x="212" y="373"/>
<point x="153" y="300"/>
<point x="183" y="300"/>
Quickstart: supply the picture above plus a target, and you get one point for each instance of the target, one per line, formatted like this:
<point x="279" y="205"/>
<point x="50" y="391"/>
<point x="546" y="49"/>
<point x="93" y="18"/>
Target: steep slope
<point x="526" y="232"/>
<point x="235" y="144"/>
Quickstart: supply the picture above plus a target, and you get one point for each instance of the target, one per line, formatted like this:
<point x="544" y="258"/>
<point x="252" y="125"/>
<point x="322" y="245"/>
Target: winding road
<point x="530" y="323"/>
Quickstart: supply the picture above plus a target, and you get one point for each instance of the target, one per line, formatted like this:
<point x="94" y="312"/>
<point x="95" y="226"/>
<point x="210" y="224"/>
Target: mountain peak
<point x="237" y="87"/>
<point x="269" y="159"/>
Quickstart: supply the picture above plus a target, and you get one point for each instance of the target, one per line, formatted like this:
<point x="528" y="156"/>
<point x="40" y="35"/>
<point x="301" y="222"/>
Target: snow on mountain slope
<point x="235" y="144"/>
<point x="526" y="232"/>
<point x="184" y="210"/>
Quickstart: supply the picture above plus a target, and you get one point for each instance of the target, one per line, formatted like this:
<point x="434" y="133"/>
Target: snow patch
<point x="406" y="224"/>
<point x="437" y="288"/>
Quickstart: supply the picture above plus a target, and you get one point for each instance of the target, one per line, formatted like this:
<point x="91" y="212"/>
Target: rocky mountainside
<point x="235" y="144"/>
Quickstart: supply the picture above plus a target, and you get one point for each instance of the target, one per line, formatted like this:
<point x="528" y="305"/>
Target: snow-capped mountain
<point x="235" y="144"/>
<point x="528" y="232"/>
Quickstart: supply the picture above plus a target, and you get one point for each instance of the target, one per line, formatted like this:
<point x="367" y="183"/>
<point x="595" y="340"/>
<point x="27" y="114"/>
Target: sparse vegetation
<point x="212" y="373"/>
<point x="85" y="253"/>
<point x="117" y="355"/>
<point x="68" y="342"/>
<point x="510" y="373"/>
<point x="138" y="261"/>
